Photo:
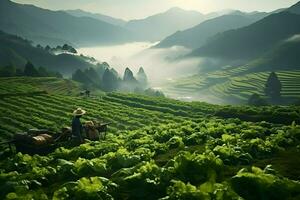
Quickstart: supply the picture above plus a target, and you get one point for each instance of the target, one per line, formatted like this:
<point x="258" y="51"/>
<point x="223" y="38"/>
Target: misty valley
<point x="168" y="100"/>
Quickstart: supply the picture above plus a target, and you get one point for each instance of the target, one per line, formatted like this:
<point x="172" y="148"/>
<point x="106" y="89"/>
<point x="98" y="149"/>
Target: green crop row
<point x="208" y="159"/>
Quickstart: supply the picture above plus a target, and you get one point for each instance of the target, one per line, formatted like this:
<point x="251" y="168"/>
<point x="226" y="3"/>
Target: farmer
<point x="76" y="124"/>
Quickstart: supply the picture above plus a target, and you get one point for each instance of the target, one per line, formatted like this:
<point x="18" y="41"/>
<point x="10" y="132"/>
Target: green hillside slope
<point x="15" y="86"/>
<point x="17" y="51"/>
<point x="155" y="148"/>
<point x="252" y="41"/>
<point x="243" y="86"/>
<point x="234" y="85"/>
<point x="284" y="56"/>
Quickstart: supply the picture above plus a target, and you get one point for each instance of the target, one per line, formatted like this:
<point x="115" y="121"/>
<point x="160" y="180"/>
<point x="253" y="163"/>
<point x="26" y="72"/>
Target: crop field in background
<point x="230" y="86"/>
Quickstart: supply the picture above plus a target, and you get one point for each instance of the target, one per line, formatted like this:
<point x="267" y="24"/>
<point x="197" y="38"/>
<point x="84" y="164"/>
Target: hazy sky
<point x="131" y="9"/>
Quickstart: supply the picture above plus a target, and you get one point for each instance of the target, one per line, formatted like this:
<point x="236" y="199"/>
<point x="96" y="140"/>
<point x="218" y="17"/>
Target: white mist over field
<point x="158" y="63"/>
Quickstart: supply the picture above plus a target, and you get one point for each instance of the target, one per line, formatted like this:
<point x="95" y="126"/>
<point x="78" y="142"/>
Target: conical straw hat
<point x="79" y="112"/>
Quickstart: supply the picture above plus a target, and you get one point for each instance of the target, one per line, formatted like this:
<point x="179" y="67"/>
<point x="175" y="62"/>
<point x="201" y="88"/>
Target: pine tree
<point x="273" y="86"/>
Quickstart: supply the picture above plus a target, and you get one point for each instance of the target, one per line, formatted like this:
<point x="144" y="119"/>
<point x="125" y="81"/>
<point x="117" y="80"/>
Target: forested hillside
<point x="17" y="51"/>
<point x="249" y="42"/>
<point x="284" y="56"/>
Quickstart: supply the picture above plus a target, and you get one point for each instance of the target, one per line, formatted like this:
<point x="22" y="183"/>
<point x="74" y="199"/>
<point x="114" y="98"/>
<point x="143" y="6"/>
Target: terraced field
<point x="232" y="86"/>
<point x="27" y="85"/>
<point x="241" y="87"/>
<point x="57" y="110"/>
<point x="21" y="108"/>
<point x="52" y="110"/>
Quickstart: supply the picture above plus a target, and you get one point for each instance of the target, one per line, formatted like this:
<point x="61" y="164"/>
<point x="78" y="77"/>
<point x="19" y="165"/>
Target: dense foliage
<point x="156" y="148"/>
<point x="29" y="70"/>
<point x="106" y="78"/>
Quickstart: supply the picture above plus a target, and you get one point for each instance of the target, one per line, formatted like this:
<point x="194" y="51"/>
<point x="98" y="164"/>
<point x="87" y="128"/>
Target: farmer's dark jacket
<point x="76" y="127"/>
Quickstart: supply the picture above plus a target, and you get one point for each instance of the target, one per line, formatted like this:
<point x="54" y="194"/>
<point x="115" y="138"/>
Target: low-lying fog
<point x="160" y="65"/>
<point x="156" y="62"/>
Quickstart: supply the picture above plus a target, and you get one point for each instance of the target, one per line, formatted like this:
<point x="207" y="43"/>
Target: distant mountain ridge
<point x="252" y="41"/>
<point x="54" y="27"/>
<point x="294" y="8"/>
<point x="105" y="18"/>
<point x="196" y="36"/>
<point x="159" y="26"/>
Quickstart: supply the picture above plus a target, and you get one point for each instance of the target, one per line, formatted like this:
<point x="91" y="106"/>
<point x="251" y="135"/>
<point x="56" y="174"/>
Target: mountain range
<point x="56" y="27"/>
<point x="81" y="28"/>
<point x="101" y="17"/>
<point x="196" y="36"/>
<point x="235" y="37"/>
<point x="157" y="27"/>
<point x="247" y="43"/>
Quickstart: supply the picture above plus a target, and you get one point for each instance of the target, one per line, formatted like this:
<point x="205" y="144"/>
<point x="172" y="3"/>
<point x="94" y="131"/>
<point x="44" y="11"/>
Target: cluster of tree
<point x="108" y="79"/>
<point x="131" y="83"/>
<point x="29" y="70"/>
<point x="272" y="90"/>
<point x="273" y="87"/>
<point x="65" y="48"/>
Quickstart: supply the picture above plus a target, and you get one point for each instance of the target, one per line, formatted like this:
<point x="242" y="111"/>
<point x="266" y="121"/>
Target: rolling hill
<point x="104" y="18"/>
<point x="237" y="84"/>
<point x="252" y="41"/>
<point x="196" y="36"/>
<point x="17" y="51"/>
<point x="284" y="56"/>
<point x="54" y="27"/>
